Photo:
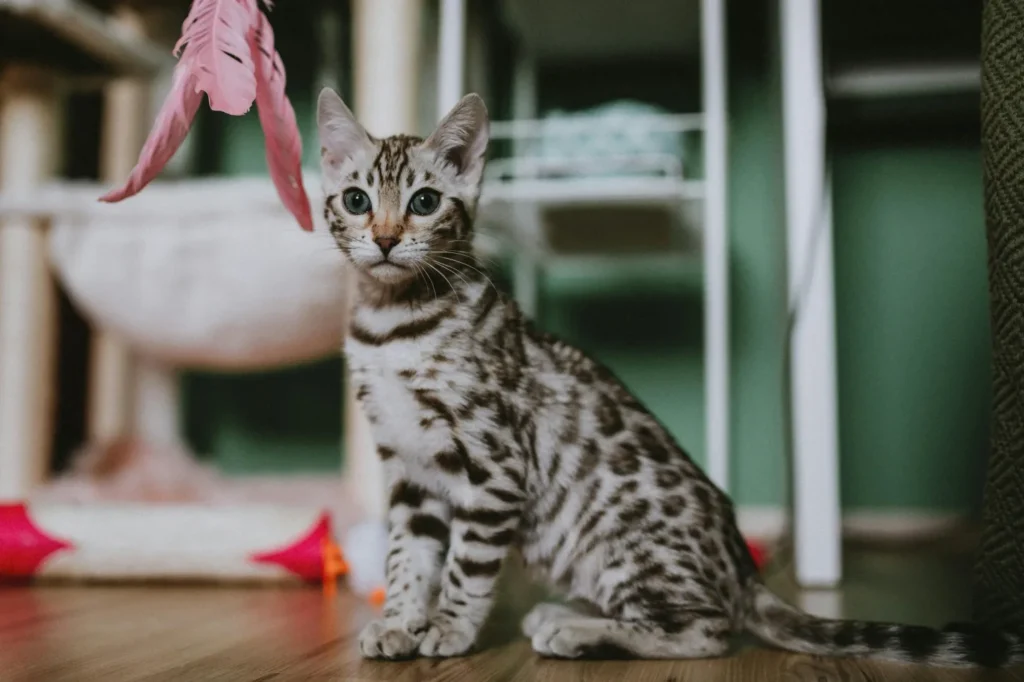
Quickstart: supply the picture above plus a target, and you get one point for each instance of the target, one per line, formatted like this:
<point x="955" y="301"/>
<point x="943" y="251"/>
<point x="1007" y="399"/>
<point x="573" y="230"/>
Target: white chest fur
<point x="387" y="395"/>
<point x="391" y="379"/>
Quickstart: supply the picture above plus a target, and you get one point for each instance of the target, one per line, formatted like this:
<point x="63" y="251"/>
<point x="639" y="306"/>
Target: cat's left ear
<point x="461" y="138"/>
<point x="341" y="135"/>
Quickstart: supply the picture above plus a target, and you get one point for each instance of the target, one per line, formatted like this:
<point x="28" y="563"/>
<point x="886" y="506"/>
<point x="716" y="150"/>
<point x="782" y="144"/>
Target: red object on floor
<point x="23" y="546"/>
<point x="304" y="557"/>
<point x="758" y="552"/>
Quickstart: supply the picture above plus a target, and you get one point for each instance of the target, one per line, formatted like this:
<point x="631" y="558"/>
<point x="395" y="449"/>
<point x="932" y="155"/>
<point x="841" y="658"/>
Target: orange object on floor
<point x="334" y="564"/>
<point x="377" y="596"/>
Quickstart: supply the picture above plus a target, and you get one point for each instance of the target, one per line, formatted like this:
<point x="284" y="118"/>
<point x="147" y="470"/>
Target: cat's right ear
<point x="341" y="135"/>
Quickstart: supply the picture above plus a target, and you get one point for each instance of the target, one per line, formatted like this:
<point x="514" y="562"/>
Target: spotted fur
<point x="495" y="435"/>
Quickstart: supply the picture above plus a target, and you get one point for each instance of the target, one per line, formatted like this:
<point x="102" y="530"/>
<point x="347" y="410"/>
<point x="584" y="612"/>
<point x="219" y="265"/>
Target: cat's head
<point x="398" y="203"/>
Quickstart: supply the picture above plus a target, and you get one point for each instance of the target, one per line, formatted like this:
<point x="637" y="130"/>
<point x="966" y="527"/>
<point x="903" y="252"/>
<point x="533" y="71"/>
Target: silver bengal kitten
<point x="495" y="435"/>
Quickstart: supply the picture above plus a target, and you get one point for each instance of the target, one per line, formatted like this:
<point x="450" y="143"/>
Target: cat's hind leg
<point x="566" y="636"/>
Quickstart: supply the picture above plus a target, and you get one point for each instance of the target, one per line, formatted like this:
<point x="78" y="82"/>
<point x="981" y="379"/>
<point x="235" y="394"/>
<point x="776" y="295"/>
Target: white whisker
<point x="471" y="267"/>
<point x="451" y="269"/>
<point x="435" y="269"/>
<point x="419" y="270"/>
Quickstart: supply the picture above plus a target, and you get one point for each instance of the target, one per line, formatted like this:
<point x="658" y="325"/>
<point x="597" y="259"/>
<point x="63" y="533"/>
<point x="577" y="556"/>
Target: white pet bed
<point x="203" y="274"/>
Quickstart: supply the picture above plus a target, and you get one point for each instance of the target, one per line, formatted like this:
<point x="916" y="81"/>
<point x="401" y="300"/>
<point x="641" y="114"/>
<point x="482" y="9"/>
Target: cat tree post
<point x="125" y="118"/>
<point x="451" y="56"/>
<point x="386" y="103"/>
<point x="29" y="144"/>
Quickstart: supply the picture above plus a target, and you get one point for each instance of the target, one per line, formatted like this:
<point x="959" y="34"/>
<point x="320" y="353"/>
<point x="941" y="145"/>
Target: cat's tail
<point x="777" y="623"/>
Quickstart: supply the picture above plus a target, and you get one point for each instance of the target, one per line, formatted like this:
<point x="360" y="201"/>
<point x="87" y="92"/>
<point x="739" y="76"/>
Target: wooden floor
<point x="194" y="634"/>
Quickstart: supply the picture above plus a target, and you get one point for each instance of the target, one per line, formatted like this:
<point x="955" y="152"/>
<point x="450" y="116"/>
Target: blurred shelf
<point x="595" y="191"/>
<point x="599" y="193"/>
<point x="524" y="129"/>
<point x="628" y="269"/>
<point x="905" y="80"/>
<point x="896" y="74"/>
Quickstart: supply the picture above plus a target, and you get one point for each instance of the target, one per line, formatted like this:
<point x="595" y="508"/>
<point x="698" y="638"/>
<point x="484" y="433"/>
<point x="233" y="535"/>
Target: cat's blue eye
<point x="355" y="201"/>
<point x="425" y="202"/>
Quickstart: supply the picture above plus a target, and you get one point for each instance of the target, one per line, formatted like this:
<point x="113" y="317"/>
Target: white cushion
<point x="205" y="274"/>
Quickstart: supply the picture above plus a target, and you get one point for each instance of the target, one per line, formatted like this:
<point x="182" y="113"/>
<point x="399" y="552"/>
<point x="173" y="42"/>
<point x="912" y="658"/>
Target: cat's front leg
<point x="417" y="537"/>
<point x="482" y="533"/>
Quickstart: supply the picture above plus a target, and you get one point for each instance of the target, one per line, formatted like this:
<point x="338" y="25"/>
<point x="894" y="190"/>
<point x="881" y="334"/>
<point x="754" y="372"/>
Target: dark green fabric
<point x="999" y="587"/>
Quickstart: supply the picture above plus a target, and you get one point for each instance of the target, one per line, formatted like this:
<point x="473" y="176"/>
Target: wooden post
<point x="125" y="115"/>
<point x="386" y="100"/>
<point x="29" y="147"/>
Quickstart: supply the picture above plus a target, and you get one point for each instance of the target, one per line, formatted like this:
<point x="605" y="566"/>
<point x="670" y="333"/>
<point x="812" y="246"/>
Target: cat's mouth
<point x="388" y="271"/>
<point x="390" y="263"/>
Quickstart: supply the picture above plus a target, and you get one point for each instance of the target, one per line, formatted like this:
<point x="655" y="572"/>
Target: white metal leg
<point x="29" y="145"/>
<point x="716" y="242"/>
<point x="812" y="361"/>
<point x="822" y="603"/>
<point x="385" y="102"/>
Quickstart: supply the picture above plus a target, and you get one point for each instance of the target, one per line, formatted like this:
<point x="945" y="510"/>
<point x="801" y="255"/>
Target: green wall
<point x="912" y="325"/>
<point x="913" y="329"/>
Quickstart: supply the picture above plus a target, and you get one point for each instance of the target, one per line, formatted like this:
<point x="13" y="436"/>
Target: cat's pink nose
<point x="386" y="244"/>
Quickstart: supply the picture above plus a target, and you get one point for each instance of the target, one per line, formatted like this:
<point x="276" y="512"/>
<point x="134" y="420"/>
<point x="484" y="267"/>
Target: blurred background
<point x="594" y="215"/>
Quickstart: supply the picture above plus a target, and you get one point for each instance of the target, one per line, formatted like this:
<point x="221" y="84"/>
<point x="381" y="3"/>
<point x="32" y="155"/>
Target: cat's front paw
<point x="392" y="639"/>
<point x="448" y="637"/>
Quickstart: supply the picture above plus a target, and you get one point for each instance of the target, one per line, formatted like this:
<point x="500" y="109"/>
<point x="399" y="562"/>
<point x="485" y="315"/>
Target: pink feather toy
<point x="226" y="50"/>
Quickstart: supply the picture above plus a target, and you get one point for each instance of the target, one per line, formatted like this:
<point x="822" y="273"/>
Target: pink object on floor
<point x="226" y="50"/>
<point x="23" y="546"/>
<point x="305" y="557"/>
